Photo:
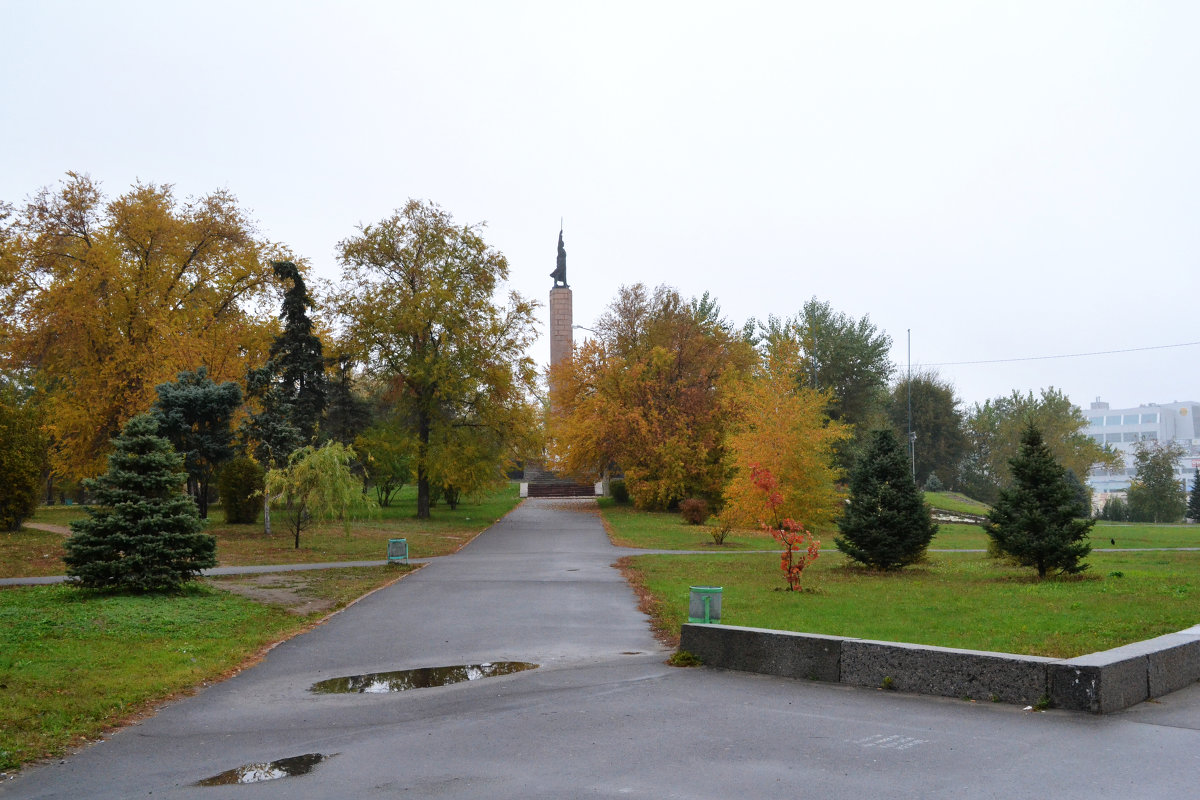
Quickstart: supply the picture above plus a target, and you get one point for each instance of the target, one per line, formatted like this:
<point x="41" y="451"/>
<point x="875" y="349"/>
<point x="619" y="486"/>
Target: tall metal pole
<point x="912" y="439"/>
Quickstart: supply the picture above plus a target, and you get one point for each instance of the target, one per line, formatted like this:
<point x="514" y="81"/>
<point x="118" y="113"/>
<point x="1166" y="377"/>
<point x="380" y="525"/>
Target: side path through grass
<point x="965" y="600"/>
<point x="74" y="664"/>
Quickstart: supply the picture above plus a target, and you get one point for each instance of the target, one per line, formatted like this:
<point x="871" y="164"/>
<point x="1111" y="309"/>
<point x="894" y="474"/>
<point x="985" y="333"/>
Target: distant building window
<point x="1112" y="438"/>
<point x="1131" y="472"/>
<point x="1113" y="420"/>
<point x="1131" y="419"/>
<point x="1146" y="418"/>
<point x="1150" y="436"/>
<point x="1098" y="438"/>
<point x="1096" y="422"/>
<point x="1130" y="437"/>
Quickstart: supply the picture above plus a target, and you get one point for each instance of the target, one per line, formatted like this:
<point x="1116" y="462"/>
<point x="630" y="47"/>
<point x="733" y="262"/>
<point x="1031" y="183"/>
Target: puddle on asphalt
<point x="422" y="678"/>
<point x="266" y="770"/>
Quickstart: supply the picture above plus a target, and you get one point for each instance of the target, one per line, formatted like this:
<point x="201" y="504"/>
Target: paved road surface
<point x="603" y="716"/>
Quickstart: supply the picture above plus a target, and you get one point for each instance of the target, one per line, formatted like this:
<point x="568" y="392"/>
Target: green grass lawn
<point x="32" y="553"/>
<point x="662" y="530"/>
<point x="1104" y="534"/>
<point x="953" y="501"/>
<point x="955" y="600"/>
<point x="651" y="530"/>
<point x="59" y="515"/>
<point x="445" y="533"/>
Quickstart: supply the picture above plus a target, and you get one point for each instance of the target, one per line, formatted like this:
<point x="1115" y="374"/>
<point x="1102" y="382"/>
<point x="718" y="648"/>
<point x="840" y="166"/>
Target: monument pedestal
<point x="561" y="321"/>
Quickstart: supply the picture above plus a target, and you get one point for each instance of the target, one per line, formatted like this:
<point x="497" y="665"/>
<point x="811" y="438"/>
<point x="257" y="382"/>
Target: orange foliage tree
<point x="648" y="395"/>
<point x="782" y="429"/>
<point x="103" y="300"/>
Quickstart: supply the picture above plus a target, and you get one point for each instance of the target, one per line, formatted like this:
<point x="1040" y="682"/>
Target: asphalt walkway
<point x="602" y="716"/>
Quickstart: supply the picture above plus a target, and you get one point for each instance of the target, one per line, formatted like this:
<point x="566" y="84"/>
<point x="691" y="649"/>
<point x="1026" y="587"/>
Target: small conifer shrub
<point x="1036" y="520"/>
<point x="240" y="486"/>
<point x="142" y="533"/>
<point x="886" y="524"/>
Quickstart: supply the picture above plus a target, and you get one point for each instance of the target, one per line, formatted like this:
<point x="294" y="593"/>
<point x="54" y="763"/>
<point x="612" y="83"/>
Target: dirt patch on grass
<point x="47" y="527"/>
<point x="286" y="590"/>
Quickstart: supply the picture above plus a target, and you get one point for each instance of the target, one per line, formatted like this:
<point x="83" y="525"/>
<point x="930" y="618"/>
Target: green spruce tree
<point x="1193" y="508"/>
<point x="347" y="414"/>
<point x="143" y="533"/>
<point x="886" y="524"/>
<point x="296" y="357"/>
<point x="1036" y="519"/>
<point x="194" y="414"/>
<point x="290" y="389"/>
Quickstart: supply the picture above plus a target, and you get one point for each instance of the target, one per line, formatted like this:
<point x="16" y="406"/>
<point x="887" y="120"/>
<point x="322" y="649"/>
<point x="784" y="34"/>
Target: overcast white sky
<point x="1007" y="180"/>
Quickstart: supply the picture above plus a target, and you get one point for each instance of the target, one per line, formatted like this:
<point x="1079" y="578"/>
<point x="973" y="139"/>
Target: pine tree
<point x="347" y="414"/>
<point x="296" y="356"/>
<point x="1193" y="509"/>
<point x="143" y="534"/>
<point x="194" y="414"/>
<point x="1035" y="520"/>
<point x="291" y="387"/>
<point x="886" y="524"/>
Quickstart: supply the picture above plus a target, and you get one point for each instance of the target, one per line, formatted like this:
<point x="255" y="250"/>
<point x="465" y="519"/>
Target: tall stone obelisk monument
<point x="561" y="334"/>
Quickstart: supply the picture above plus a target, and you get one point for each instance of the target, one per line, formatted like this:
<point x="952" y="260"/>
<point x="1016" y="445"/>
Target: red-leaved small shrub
<point x="800" y="547"/>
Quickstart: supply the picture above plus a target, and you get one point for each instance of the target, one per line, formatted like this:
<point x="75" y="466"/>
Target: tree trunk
<point x="422" y="493"/>
<point x="423" y="426"/>
<point x="202" y="499"/>
<point x="267" y="512"/>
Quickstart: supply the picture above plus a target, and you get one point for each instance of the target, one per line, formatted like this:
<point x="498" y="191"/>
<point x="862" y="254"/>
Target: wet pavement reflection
<point x="266" y="771"/>
<point x="421" y="678"/>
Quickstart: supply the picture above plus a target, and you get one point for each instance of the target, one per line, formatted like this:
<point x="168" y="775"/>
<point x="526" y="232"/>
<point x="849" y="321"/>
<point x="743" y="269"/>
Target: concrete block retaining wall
<point x="1099" y="682"/>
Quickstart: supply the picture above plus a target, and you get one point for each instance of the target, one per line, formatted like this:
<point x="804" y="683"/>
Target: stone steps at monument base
<point x="561" y="488"/>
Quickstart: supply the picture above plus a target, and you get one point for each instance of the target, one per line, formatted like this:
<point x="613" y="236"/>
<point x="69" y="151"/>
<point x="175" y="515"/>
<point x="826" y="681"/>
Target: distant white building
<point x="1121" y="428"/>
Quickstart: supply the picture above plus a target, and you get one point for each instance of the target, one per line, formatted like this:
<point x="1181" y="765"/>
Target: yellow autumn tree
<point x="104" y="299"/>
<point x="418" y="301"/>
<point x="782" y="428"/>
<point x="648" y="395"/>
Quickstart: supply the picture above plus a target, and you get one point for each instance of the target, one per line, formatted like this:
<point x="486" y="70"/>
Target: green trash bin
<point x="704" y="604"/>
<point x="397" y="551"/>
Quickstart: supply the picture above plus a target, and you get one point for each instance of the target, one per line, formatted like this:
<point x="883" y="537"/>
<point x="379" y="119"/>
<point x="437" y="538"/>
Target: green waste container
<point x="704" y="604"/>
<point x="397" y="551"/>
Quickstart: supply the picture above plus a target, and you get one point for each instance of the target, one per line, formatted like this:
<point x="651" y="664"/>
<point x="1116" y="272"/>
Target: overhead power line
<point x="1065" y="355"/>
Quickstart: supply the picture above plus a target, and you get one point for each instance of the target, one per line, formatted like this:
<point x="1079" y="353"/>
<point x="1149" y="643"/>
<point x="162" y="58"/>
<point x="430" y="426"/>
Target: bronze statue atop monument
<point x="560" y="308"/>
<point x="560" y="271"/>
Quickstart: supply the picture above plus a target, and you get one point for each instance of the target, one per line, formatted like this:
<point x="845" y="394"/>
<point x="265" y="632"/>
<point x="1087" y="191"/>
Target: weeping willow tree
<point x="316" y="486"/>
